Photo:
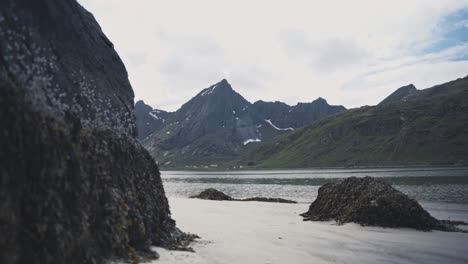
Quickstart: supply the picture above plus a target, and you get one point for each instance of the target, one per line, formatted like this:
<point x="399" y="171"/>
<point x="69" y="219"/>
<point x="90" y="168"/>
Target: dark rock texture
<point x="213" y="194"/>
<point x="76" y="187"/>
<point x="56" y="51"/>
<point x="70" y="194"/>
<point x="370" y="202"/>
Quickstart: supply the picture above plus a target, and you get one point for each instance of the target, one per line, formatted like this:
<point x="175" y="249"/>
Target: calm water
<point x="448" y="185"/>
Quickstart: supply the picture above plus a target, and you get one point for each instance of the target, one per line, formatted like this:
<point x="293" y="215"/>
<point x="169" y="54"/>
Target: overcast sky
<point x="352" y="53"/>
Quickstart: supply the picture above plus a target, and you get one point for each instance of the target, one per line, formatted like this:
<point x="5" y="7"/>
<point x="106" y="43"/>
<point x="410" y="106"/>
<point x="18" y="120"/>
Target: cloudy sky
<point x="352" y="53"/>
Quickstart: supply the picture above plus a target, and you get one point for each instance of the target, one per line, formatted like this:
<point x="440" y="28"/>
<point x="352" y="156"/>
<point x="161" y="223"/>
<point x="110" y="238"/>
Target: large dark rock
<point x="70" y="194"/>
<point x="76" y="187"/>
<point x="370" y="202"/>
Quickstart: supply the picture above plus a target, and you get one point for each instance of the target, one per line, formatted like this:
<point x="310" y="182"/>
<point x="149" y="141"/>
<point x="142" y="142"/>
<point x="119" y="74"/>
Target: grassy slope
<point x="432" y="130"/>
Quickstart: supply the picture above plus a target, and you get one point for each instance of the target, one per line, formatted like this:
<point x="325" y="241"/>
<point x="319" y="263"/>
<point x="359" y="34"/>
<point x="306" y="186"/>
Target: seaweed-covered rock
<point x="73" y="195"/>
<point x="75" y="185"/>
<point x="371" y="202"/>
<point x="213" y="194"/>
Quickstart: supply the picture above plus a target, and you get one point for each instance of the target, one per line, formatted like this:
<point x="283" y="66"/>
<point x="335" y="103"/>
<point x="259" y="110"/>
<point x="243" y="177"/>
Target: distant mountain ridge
<point x="409" y="127"/>
<point x="218" y="124"/>
<point x="299" y="115"/>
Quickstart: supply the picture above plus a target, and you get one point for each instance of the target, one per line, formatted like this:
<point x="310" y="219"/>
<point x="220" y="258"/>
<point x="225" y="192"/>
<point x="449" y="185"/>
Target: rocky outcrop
<point x="70" y="194"/>
<point x="76" y="187"/>
<point x="213" y="194"/>
<point x="370" y="202"/>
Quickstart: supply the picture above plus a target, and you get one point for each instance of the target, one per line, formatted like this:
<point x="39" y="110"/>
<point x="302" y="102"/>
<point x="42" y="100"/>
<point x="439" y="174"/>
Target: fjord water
<point x="440" y="185"/>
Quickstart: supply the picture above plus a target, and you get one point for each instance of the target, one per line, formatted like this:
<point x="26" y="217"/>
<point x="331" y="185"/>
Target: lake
<point x="442" y="185"/>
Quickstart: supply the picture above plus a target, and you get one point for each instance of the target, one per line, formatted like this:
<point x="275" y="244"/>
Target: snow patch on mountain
<point x="277" y="128"/>
<point x="209" y="90"/>
<point x="251" y="140"/>
<point x="154" y="115"/>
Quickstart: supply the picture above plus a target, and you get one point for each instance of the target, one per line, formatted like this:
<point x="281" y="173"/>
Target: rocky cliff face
<point x="76" y="186"/>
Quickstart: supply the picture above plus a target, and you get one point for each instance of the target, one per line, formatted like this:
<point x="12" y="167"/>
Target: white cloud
<point x="351" y="53"/>
<point x="322" y="55"/>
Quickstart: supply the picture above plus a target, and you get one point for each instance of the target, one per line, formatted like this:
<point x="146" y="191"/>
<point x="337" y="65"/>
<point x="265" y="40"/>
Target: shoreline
<point x="256" y="232"/>
<point x="410" y="167"/>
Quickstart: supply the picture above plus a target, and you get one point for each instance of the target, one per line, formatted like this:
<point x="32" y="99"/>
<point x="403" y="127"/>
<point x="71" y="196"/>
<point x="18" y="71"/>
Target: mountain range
<point x="219" y="128"/>
<point x="218" y="124"/>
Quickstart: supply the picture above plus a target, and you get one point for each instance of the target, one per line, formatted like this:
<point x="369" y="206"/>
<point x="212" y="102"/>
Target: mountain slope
<point x="429" y="127"/>
<point x="400" y="94"/>
<point x="218" y="124"/>
<point x="212" y="126"/>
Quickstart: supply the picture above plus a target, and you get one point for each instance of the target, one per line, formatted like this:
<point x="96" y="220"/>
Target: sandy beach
<point x="255" y="232"/>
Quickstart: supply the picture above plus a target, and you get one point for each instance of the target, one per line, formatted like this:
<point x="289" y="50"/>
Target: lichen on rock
<point x="76" y="186"/>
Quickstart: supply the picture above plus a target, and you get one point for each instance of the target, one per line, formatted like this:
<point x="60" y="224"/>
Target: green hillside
<point x="426" y="127"/>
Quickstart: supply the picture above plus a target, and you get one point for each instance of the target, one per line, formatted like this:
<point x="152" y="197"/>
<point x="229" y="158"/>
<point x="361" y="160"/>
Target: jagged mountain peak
<point x="222" y="87"/>
<point x="320" y="100"/>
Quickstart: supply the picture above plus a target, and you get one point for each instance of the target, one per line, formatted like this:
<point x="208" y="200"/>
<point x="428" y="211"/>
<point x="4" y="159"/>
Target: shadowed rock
<point x="76" y="187"/>
<point x="213" y="194"/>
<point x="370" y="202"/>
